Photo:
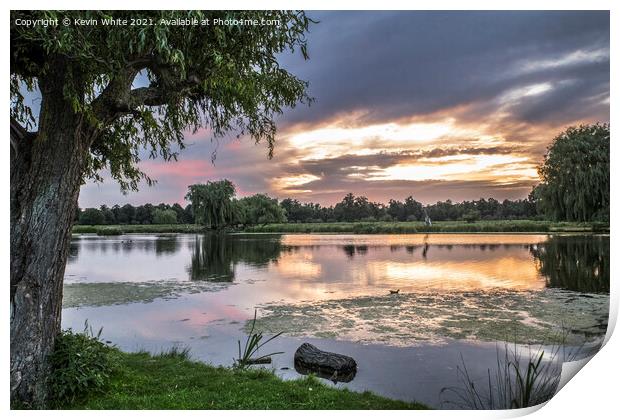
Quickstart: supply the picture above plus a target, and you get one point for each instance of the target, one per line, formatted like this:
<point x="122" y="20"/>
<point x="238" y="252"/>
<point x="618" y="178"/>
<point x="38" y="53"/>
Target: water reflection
<point x="572" y="263"/>
<point x="305" y="266"/>
<point x="215" y="257"/>
<point x="333" y="376"/>
<point x="166" y="244"/>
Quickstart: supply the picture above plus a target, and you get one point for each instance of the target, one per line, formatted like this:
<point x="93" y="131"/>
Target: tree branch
<point x="18" y="135"/>
<point x="119" y="99"/>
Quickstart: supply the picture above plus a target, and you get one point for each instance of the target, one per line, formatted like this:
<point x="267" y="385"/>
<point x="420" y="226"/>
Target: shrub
<point x="108" y="231"/>
<point x="80" y="363"/>
<point x="471" y="216"/>
<point x="164" y="217"/>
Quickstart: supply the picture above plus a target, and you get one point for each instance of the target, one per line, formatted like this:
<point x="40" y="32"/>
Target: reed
<point x="253" y="344"/>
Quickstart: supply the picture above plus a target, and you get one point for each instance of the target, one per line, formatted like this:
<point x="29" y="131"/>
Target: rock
<point x="333" y="366"/>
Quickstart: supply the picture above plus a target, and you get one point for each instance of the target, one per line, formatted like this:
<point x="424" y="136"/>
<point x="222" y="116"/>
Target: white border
<point x="591" y="395"/>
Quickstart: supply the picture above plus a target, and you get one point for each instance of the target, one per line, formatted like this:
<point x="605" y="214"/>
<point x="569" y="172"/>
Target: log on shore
<point x="333" y="366"/>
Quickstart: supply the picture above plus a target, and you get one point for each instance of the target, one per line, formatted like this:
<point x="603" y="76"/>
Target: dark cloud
<point x="345" y="165"/>
<point x="398" y="64"/>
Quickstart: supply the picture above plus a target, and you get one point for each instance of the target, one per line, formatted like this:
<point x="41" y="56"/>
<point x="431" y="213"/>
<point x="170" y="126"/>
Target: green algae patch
<point x="529" y="317"/>
<point x="120" y="293"/>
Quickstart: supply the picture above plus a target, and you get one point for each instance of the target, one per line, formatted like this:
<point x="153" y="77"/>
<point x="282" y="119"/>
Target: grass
<point x="437" y="227"/>
<point x="105" y="230"/>
<point x="483" y="226"/>
<point x="522" y="378"/>
<point x="80" y="364"/>
<point x="171" y="380"/>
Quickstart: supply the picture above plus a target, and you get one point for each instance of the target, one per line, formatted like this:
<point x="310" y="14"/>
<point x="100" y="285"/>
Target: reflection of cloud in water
<point x="297" y="265"/>
<point x="412" y="239"/>
<point x="506" y="272"/>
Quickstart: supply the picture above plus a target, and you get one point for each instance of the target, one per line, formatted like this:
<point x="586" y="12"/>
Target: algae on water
<point x="120" y="293"/>
<point x="542" y="316"/>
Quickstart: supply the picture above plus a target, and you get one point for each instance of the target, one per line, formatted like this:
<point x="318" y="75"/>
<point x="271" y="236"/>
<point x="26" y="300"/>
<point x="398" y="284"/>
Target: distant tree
<point x="293" y="210"/>
<point x="180" y="213"/>
<point x="413" y="208"/>
<point x="353" y="208"/>
<point x="212" y="203"/>
<point x="575" y="175"/>
<point x="443" y="210"/>
<point x="345" y="210"/>
<point x="188" y="214"/>
<point x="164" y="217"/>
<point x="396" y="209"/>
<point x="144" y="214"/>
<point x="127" y="214"/>
<point x="108" y="215"/>
<point x="259" y="209"/>
<point x="116" y="209"/>
<point x="91" y="216"/>
<point x="471" y="216"/>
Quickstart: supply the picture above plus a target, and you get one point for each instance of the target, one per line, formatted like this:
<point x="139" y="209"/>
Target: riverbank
<point x="173" y="381"/>
<point x="108" y="230"/>
<point x="486" y="226"/>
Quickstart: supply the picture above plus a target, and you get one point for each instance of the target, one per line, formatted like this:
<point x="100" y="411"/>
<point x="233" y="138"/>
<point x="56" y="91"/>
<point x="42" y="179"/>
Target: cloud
<point x="440" y="105"/>
<point x="395" y="64"/>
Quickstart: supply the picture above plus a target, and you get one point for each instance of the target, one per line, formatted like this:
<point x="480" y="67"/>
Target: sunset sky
<point x="437" y="105"/>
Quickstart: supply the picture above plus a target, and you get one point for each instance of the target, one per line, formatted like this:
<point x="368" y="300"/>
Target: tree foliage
<point x="224" y="77"/>
<point x="164" y="217"/>
<point x="92" y="216"/>
<point x="259" y="209"/>
<point x="575" y="175"/>
<point x="212" y="203"/>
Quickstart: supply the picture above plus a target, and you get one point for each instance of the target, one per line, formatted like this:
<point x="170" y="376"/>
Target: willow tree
<point x="106" y="94"/>
<point x="575" y="175"/>
<point x="212" y="203"/>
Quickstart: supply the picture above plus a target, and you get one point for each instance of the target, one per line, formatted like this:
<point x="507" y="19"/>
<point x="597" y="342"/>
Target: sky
<point x="437" y="105"/>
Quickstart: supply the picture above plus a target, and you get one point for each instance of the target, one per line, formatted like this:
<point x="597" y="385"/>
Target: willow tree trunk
<point x="46" y="173"/>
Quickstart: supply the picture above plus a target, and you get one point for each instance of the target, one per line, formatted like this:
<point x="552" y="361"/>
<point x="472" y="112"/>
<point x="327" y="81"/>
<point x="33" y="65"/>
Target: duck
<point x="394" y="292"/>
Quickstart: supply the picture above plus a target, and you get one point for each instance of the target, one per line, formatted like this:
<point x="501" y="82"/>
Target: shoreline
<point x="143" y="381"/>
<point x="455" y="227"/>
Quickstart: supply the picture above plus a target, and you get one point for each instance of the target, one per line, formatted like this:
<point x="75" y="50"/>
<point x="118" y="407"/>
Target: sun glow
<point x="456" y="168"/>
<point x="337" y="139"/>
<point x="290" y="182"/>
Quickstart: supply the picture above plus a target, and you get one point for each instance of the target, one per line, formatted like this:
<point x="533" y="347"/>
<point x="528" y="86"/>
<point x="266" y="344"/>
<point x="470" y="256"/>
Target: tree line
<point x="146" y="214"/>
<point x="214" y="206"/>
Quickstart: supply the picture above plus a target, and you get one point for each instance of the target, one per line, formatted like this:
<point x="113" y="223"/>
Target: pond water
<point x="460" y="298"/>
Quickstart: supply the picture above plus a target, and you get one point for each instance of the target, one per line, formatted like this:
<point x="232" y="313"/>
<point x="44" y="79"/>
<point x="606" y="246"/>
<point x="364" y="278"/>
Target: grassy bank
<point x="437" y="227"/>
<point x="172" y="381"/>
<point x="365" y="227"/>
<point x="106" y="230"/>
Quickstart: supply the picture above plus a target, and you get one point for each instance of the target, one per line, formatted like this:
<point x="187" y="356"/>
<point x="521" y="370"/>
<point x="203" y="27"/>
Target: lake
<point x="461" y="298"/>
